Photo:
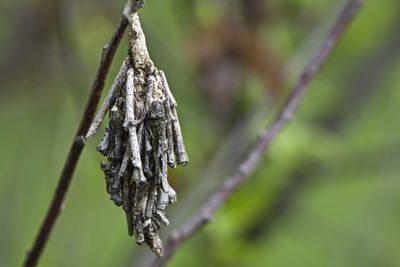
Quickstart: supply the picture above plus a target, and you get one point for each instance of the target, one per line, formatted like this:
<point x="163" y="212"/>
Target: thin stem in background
<point x="248" y="166"/>
<point x="76" y="147"/>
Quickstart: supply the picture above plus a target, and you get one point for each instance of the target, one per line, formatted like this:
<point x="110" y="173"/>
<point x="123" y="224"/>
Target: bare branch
<point x="193" y="225"/>
<point x="79" y="140"/>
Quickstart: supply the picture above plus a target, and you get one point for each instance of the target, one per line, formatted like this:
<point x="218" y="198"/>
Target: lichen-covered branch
<point x="79" y="139"/>
<point x="247" y="167"/>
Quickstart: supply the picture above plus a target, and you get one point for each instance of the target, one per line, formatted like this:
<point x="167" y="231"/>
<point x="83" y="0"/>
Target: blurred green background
<point x="327" y="192"/>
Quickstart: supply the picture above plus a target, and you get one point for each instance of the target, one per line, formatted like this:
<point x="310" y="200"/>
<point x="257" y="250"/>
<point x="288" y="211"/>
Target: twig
<point x="200" y="219"/>
<point x="117" y="84"/>
<point x="79" y="140"/>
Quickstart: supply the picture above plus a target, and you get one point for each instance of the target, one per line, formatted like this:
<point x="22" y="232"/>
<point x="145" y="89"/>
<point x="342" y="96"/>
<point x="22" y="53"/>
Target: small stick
<point x="139" y="210"/>
<point x="170" y="137"/>
<point x="129" y="100"/>
<point x="164" y="82"/>
<point x="130" y="123"/>
<point x="116" y="133"/>
<point x="161" y="160"/>
<point x="110" y="98"/>
<point x="180" y="151"/>
<point x="160" y="214"/>
<point x="151" y="201"/>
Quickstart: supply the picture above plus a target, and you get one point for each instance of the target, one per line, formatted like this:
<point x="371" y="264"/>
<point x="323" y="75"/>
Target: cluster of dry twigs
<point x="143" y="138"/>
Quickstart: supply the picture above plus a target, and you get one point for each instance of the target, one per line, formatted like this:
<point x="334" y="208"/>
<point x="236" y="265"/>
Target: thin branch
<point x="248" y="166"/>
<point x="79" y="139"/>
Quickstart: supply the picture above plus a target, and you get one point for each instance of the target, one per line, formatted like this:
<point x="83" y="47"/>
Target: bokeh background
<point x="327" y="192"/>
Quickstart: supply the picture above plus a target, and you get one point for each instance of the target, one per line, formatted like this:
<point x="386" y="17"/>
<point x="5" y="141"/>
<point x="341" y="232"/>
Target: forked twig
<point x="79" y="139"/>
<point x="247" y="167"/>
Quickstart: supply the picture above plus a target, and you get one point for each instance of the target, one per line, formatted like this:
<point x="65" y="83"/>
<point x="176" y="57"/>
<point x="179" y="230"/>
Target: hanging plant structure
<point x="142" y="139"/>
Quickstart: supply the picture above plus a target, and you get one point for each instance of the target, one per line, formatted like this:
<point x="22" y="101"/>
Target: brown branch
<point x="248" y="166"/>
<point x="76" y="147"/>
<point x="79" y="140"/>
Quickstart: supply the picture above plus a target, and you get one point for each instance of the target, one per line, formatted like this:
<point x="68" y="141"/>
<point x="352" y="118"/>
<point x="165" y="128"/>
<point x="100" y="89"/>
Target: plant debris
<point x="142" y="139"/>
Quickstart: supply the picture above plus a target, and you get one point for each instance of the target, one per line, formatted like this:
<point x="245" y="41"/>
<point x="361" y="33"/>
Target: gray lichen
<point x="142" y="139"/>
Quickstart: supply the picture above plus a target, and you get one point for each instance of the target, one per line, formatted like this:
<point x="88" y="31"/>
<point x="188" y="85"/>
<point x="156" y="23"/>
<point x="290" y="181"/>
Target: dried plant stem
<point x="79" y="139"/>
<point x="117" y="84"/>
<point x="130" y="123"/>
<point x="247" y="167"/>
